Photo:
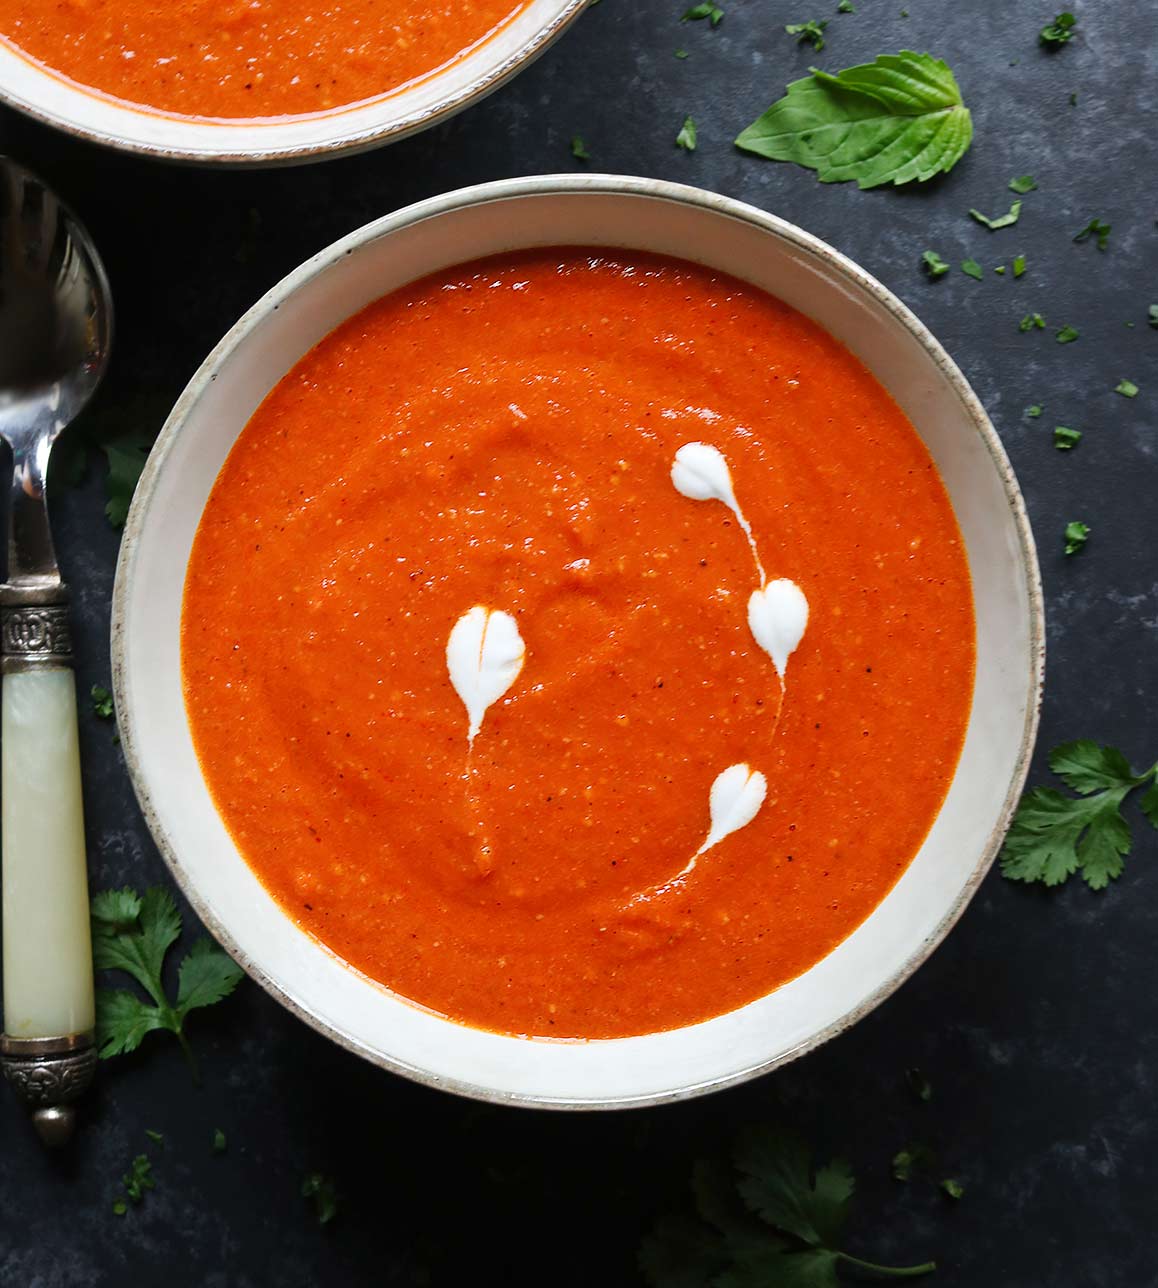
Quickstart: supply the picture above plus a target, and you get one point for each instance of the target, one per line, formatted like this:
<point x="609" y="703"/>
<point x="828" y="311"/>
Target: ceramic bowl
<point x="587" y="210"/>
<point x="48" y="97"/>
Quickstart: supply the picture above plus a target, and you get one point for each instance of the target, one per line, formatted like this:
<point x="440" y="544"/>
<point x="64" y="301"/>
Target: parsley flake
<point x="1053" y="835"/>
<point x="1002" y="221"/>
<point x="325" y="1195"/>
<point x="935" y="266"/>
<point x="1095" y="228"/>
<point x="136" y="1181"/>
<point x="971" y="268"/>
<point x="1153" y="315"/>
<point x="1034" y="411"/>
<point x="1030" y="321"/>
<point x="219" y="1143"/>
<point x="1023" y="184"/>
<point x="919" y="1085"/>
<point x="102" y="702"/>
<point x="1059" y="32"/>
<point x="712" y="12"/>
<point x="811" y="32"/>
<point x="908" y="1161"/>
<point x="772" y="1218"/>
<point x="1077" y="534"/>
<point x="1127" y="388"/>
<point x="155" y="1136"/>
<point x="1065" y="439"/>
<point x="681" y="53"/>
<point x="1018" y="265"/>
<point x="895" y="120"/>
<point x="686" y="138"/>
<point x="579" y="149"/>
<point x="952" y="1187"/>
<point x="1067" y="335"/>
<point x="133" y="933"/>
<point x="846" y="6"/>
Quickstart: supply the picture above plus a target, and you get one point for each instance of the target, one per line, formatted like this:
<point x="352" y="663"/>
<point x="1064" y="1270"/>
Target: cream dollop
<point x="700" y="472"/>
<point x="777" y="618"/>
<point x="484" y="656"/>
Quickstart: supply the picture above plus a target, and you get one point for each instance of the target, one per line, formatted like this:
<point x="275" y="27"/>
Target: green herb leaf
<point x="1077" y="533"/>
<point x="812" y="31"/>
<point x="971" y="268"/>
<point x="102" y="702"/>
<point x="133" y="934"/>
<point x="1064" y="438"/>
<point x="136" y="1181"/>
<point x="1023" y="184"/>
<point x="919" y="1085"/>
<point x="898" y="119"/>
<point x="777" y="1184"/>
<point x="155" y="1136"/>
<point x="219" y="1143"/>
<point x="953" y="1188"/>
<point x="1127" y="388"/>
<point x="686" y="138"/>
<point x="1067" y="335"/>
<point x="910" y="1160"/>
<point x="579" y="149"/>
<point x="1030" y="321"/>
<point x="1095" y="228"/>
<point x="681" y="53"/>
<point x="1018" y="265"/>
<point x="325" y="1195"/>
<point x="1149" y="803"/>
<point x="126" y="457"/>
<point x="1059" y="32"/>
<point x="935" y="266"/>
<point x="1002" y="221"/>
<point x="1153" y="318"/>
<point x="712" y="12"/>
<point x="1034" y="411"/>
<point x="845" y="6"/>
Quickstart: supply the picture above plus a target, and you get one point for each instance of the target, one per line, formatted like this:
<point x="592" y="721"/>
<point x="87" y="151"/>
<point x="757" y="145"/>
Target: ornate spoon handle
<point x="47" y="1049"/>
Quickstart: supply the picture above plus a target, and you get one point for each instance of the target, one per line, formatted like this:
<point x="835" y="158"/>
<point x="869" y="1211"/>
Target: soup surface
<point x="241" y="59"/>
<point x="483" y="667"/>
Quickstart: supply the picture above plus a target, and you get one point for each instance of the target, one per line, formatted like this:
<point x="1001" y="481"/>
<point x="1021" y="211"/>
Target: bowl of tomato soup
<point x="577" y="642"/>
<point x="262" y="81"/>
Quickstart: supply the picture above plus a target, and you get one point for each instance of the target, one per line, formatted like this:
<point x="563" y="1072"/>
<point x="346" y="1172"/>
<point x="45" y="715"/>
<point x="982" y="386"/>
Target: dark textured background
<point x="1035" y="1022"/>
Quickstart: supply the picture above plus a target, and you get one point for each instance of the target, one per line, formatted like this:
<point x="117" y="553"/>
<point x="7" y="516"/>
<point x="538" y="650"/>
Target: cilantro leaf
<point x="846" y="6"/>
<point x="1018" y="265"/>
<point x="971" y="268"/>
<point x="953" y="1188"/>
<point x="898" y="119"/>
<point x="919" y="1085"/>
<point x="1023" y="184"/>
<point x="1030" y="321"/>
<point x="1064" y="438"/>
<point x="219" y="1143"/>
<point x="935" y="266"/>
<point x="1059" y="32"/>
<point x="138" y="1179"/>
<point x="325" y="1195"/>
<point x="1002" y="221"/>
<point x="1035" y="411"/>
<point x="712" y="12"/>
<point x="1077" y="533"/>
<point x="579" y="149"/>
<point x="908" y="1161"/>
<point x="1153" y="315"/>
<point x="686" y="138"/>
<point x="811" y="31"/>
<point x="1095" y="228"/>
<point x="1067" y="335"/>
<point x="777" y="1184"/>
<point x="1053" y="835"/>
<point x="126" y="459"/>
<point x="102" y="702"/>
<point x="133" y="933"/>
<point x="1127" y="388"/>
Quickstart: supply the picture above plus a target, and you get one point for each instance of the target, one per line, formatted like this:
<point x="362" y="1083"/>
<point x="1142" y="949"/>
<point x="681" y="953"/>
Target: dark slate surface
<point x="1036" y="1020"/>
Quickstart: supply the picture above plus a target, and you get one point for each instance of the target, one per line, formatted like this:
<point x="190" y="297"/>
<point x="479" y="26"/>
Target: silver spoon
<point x="55" y="332"/>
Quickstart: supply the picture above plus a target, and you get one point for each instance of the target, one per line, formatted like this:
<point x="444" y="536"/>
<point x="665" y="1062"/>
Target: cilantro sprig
<point x="773" y="1218"/>
<point x="1059" y="32"/>
<point x="810" y="32"/>
<point x="1054" y="835"/>
<point x="133" y="933"/>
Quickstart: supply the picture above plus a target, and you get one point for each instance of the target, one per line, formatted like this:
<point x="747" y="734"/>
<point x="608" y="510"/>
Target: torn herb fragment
<point x="1067" y="335"/>
<point x="712" y="12"/>
<point x="1076" y="535"/>
<point x="325" y="1195"/>
<point x="919" y="1085"/>
<point x="971" y="268"/>
<point x="953" y="1188"/>
<point x="1023" y="184"/>
<point x="845" y="6"/>
<point x="808" y="32"/>
<point x="1153" y="318"/>
<point x="102" y="702"/>
<point x="579" y="149"/>
<point x="1127" y="388"/>
<point x="1002" y="221"/>
<point x="934" y="265"/>
<point x="1034" y="411"/>
<point x="908" y="1161"/>
<point x="1065" y="439"/>
<point x="686" y="138"/>
<point x="1059" y="32"/>
<point x="1030" y="321"/>
<point x="1018" y="265"/>
<point x="1095" y="228"/>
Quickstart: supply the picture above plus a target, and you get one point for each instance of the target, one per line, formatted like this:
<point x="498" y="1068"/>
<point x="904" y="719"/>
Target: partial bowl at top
<point x="41" y="93"/>
<point x="578" y="211"/>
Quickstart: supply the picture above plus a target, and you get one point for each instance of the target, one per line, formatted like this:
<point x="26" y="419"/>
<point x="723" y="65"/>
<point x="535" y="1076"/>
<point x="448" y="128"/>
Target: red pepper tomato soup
<point x="578" y="643"/>
<point x="246" y="59"/>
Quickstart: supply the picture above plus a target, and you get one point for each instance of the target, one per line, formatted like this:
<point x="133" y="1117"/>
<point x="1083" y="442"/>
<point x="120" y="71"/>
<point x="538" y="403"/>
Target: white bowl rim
<point x="388" y="130"/>
<point x="570" y="184"/>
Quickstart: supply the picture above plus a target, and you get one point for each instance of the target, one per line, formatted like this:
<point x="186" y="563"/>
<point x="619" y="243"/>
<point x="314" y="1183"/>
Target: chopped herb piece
<point x="1127" y="388"/>
<point x="126" y="457"/>
<point x="1018" y="265"/>
<point x="846" y="6"/>
<point x="775" y="1220"/>
<point x="1095" y="228"/>
<point x="910" y="1160"/>
<point x="325" y="1195"/>
<point x="1153" y="315"/>
<point x="1067" y="335"/>
<point x="579" y="149"/>
<point x="120" y="1207"/>
<point x="712" y="12"/>
<point x="811" y="31"/>
<point x="953" y="1188"/>
<point x="686" y="138"/>
<point x="218" y="1141"/>
<point x="895" y="120"/>
<point x="1053" y="836"/>
<point x="155" y="1136"/>
<point x="1030" y="321"/>
<point x="919" y="1085"/>
<point x="1059" y="32"/>
<point x="681" y="53"/>
<point x="134" y="933"/>
<point x="1064" y="438"/>
<point x="1073" y="100"/>
<point x="1034" y="411"/>
<point x="138" y="1179"/>
<point x="1002" y="221"/>
<point x="1023" y="184"/>
<point x="1000" y="270"/>
<point x="935" y="266"/>
<point x="971" y="268"/>
<point x="102" y="702"/>
<point x="1077" y="534"/>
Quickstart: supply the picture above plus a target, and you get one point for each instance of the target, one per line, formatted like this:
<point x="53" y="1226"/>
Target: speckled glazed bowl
<point x="590" y="210"/>
<point x="48" y="97"/>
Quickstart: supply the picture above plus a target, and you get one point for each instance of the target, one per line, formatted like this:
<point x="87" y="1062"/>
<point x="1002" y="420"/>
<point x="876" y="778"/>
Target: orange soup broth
<point x="503" y="434"/>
